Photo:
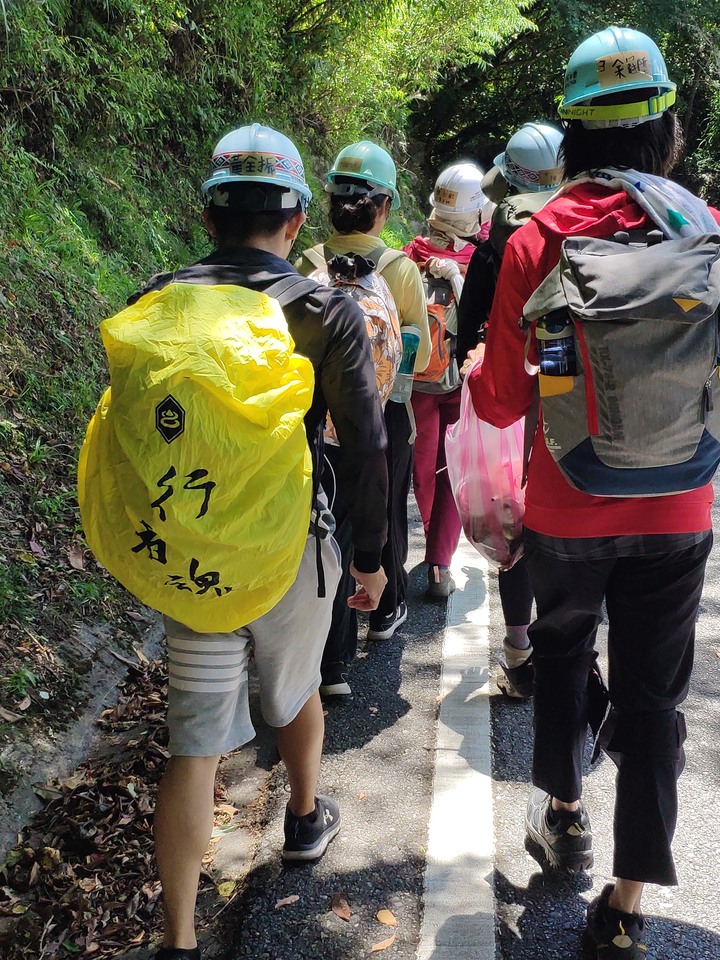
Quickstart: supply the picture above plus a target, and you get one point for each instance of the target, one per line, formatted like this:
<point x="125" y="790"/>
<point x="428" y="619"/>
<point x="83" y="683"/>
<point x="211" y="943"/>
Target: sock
<point x="517" y="637"/>
<point x="555" y="816"/>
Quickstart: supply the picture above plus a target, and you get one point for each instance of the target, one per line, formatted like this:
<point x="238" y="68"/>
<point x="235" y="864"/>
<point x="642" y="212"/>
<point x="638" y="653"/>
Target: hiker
<point x="521" y="181"/>
<point x="456" y="204"/>
<point x="256" y="196"/>
<point x="645" y="554"/>
<point x="523" y="178"/>
<point x="362" y="185"/>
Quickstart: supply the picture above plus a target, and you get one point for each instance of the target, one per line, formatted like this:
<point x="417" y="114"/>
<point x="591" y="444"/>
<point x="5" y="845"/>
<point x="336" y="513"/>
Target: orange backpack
<point x="442" y="370"/>
<point x="375" y="299"/>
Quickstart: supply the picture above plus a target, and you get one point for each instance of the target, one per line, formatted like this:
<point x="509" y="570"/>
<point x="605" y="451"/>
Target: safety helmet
<point x="258" y="154"/>
<point x="613" y="61"/>
<point x="530" y="159"/>
<point x="458" y="190"/>
<point x="368" y="164"/>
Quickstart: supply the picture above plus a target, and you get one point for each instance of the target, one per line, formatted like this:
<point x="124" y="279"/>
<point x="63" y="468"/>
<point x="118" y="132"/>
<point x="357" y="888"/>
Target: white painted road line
<point x="459" y="915"/>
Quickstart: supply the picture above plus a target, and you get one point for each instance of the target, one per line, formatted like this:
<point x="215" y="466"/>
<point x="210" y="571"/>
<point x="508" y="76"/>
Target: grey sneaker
<point x="612" y="934"/>
<point x="516" y="674"/>
<point x="307" y="838"/>
<point x="440" y="583"/>
<point x="558" y="840"/>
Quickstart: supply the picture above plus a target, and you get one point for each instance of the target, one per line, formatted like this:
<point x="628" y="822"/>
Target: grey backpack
<point x="627" y="336"/>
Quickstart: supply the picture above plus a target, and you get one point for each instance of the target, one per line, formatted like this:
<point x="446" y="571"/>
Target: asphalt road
<point x="378" y="764"/>
<point x="544" y="919"/>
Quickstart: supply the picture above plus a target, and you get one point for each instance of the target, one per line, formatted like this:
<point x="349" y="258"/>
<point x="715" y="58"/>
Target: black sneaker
<point x="558" y="840"/>
<point x="307" y="838"/>
<point x="382" y="628"/>
<point x="612" y="934"/>
<point x="334" y="680"/>
<point x="178" y="953"/>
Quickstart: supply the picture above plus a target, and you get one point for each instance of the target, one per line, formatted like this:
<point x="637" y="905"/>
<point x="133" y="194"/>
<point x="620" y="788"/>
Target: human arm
<point x="476" y="300"/>
<point x="501" y="389"/>
<point x="405" y="282"/>
<point x="371" y="587"/>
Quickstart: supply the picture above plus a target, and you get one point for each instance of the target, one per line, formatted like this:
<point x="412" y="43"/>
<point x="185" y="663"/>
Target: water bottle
<point x="402" y="388"/>
<point x="556" y="346"/>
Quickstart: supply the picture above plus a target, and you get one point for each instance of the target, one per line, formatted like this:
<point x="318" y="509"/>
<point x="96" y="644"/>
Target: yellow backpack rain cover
<point x="195" y="478"/>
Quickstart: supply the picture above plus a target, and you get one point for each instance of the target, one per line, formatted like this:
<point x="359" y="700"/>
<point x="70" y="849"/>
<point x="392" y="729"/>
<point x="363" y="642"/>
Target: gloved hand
<point x="447" y="269"/>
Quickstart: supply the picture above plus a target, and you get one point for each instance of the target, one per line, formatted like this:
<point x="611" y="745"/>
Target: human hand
<point x="370" y="590"/>
<point x="475" y="355"/>
<point x="447" y="269"/>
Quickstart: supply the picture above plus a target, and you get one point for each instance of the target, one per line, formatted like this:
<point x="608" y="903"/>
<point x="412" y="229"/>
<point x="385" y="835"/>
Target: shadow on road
<point x="547" y="919"/>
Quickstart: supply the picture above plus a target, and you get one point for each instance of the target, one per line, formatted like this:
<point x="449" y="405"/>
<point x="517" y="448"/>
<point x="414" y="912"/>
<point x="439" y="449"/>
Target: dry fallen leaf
<point x="387" y="917"/>
<point x="340" y="906"/>
<point x="37" y="549"/>
<point x="286" y="901"/>
<point x="76" y="556"/>
<point x="134" y="615"/>
<point x="383" y="945"/>
<point x="226" y="888"/>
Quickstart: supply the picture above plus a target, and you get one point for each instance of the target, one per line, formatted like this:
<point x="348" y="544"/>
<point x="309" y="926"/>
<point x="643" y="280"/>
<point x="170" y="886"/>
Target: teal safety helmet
<point x="613" y="61"/>
<point x="258" y="154"/>
<point x="367" y="163"/>
<point x="530" y="159"/>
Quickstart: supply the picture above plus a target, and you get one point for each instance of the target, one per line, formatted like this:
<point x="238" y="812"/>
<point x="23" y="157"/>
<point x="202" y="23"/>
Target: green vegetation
<point x="479" y="105"/>
<point x="19" y="682"/>
<point x="108" y="112"/>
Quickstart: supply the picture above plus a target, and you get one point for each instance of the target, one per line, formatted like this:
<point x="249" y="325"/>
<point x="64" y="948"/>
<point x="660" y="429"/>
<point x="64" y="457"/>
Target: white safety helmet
<point x="530" y="159"/>
<point x="258" y="154"/>
<point x="457" y="190"/>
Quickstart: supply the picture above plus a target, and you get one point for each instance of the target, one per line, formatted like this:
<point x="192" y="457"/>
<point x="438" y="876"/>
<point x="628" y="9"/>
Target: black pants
<point x="516" y="597"/>
<point x="652" y="604"/>
<point x="341" y="643"/>
<point x="395" y="551"/>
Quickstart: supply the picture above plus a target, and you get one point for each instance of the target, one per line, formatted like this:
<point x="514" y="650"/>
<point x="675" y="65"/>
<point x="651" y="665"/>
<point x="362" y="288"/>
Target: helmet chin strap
<point x="360" y="189"/>
<point x="621" y="114"/>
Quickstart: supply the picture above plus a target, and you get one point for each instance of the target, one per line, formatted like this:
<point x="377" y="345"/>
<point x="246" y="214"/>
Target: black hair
<point x="249" y="210"/>
<point x="355" y="214"/>
<point x="651" y="147"/>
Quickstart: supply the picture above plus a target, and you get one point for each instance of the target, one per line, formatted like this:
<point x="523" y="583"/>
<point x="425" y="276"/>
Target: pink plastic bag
<point x="485" y="466"/>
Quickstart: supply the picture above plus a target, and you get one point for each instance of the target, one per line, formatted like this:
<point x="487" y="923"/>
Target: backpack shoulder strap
<point x="316" y="256"/>
<point x="384" y="256"/>
<point x="290" y="288"/>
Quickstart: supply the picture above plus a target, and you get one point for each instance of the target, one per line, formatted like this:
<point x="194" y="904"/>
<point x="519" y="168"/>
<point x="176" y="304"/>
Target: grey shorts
<point x="208" y="711"/>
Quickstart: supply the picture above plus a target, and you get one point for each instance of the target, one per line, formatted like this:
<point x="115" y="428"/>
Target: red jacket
<point x="502" y="391"/>
<point x="420" y="250"/>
